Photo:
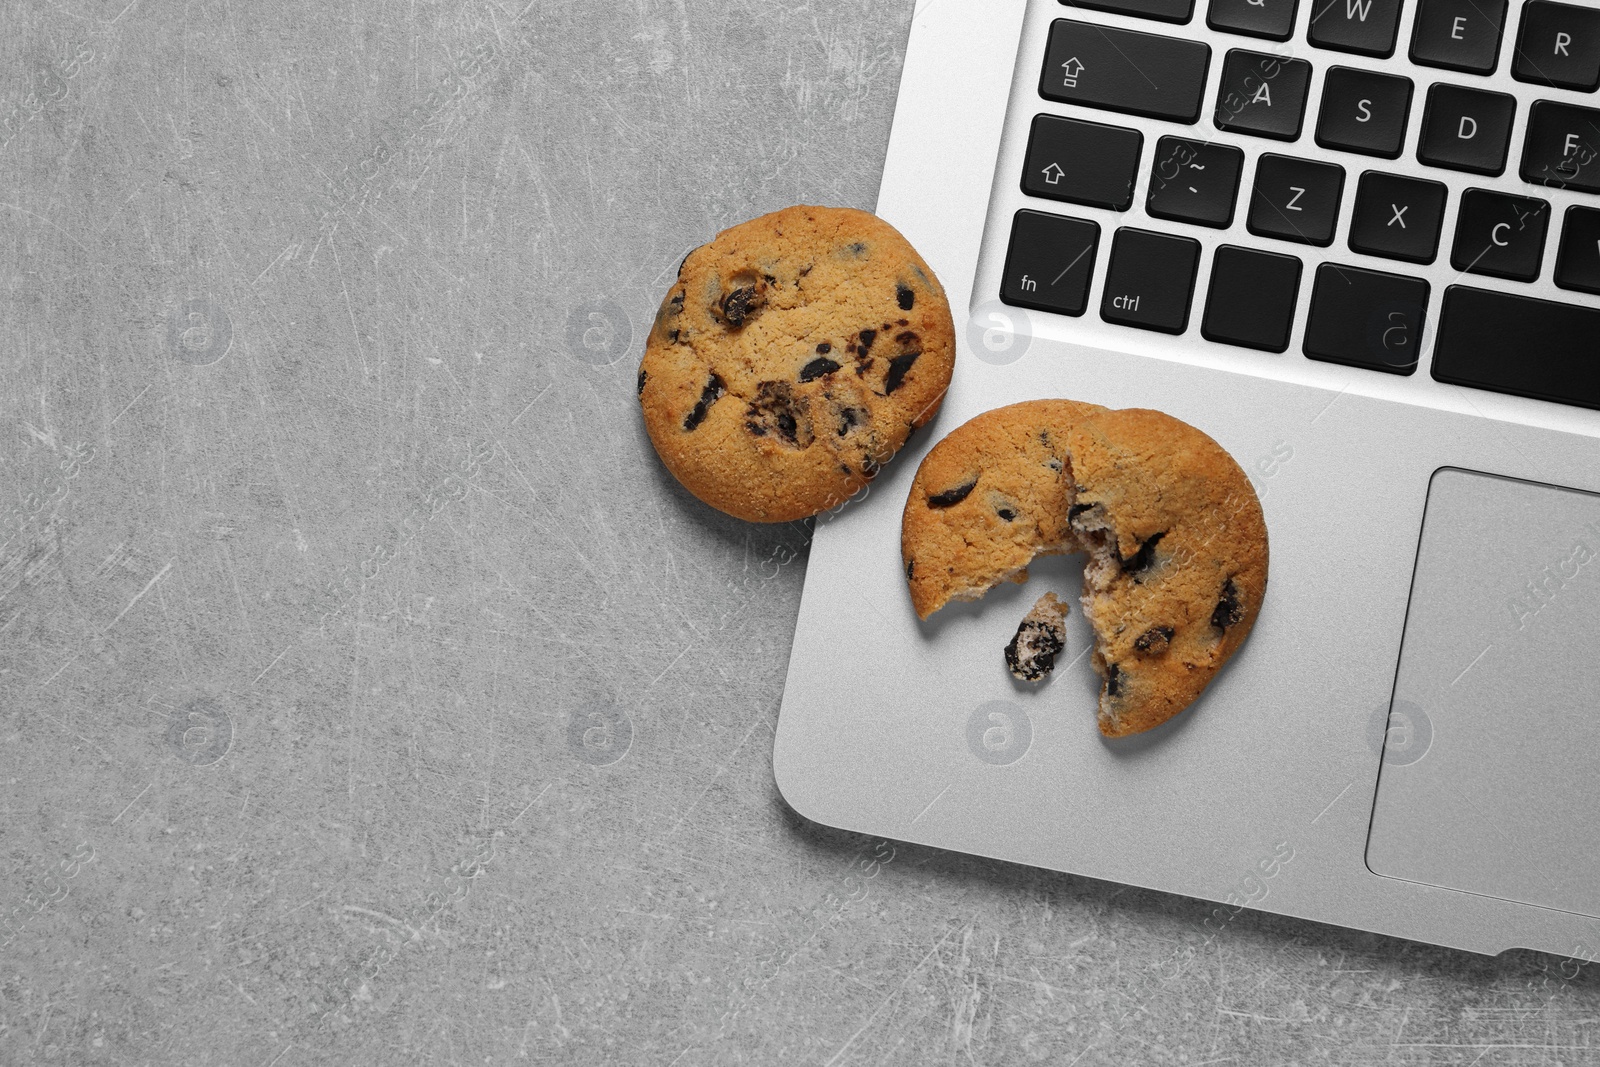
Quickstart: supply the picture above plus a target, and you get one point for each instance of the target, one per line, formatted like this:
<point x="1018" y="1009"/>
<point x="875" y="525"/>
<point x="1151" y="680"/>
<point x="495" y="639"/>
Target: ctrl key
<point x="1050" y="262"/>
<point x="1150" y="281"/>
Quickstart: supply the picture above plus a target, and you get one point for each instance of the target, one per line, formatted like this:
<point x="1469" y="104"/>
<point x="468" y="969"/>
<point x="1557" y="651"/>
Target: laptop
<point x="1357" y="242"/>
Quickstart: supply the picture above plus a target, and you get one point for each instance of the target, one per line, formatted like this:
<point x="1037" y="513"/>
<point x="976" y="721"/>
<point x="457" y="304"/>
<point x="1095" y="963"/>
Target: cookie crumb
<point x="1031" y="655"/>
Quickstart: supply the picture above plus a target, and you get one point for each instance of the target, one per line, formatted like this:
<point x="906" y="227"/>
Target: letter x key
<point x="1397" y="218"/>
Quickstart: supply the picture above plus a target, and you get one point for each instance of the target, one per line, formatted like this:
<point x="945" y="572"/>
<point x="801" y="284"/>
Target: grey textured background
<point x="367" y="691"/>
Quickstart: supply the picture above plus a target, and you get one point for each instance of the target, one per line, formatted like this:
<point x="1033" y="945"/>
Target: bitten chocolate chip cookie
<point x="1175" y="536"/>
<point x="791" y="359"/>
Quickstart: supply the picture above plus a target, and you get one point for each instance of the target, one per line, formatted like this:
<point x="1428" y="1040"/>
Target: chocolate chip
<point x="1156" y="639"/>
<point x="902" y="322"/>
<point x="850" y="418"/>
<point x="1146" y="555"/>
<point x="952" y="497"/>
<point x="708" y="396"/>
<point x="642" y="377"/>
<point x="911" y="569"/>
<point x="676" y="303"/>
<point x="776" y="409"/>
<point x="907" y="337"/>
<point x="817" y="368"/>
<point x="859" y="248"/>
<point x="1078" y="509"/>
<point x="824" y="348"/>
<point x="769" y="279"/>
<point x="756" y="428"/>
<point x="1228" y="611"/>
<point x="1006" y="513"/>
<point x="1031" y="655"/>
<point x="1113" y="680"/>
<point x="736" y="305"/>
<point x="905" y="296"/>
<point x="867" y="337"/>
<point x="870" y="467"/>
<point x="898" y="366"/>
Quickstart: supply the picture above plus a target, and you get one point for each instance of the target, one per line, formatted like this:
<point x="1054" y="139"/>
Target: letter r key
<point x="1559" y="44"/>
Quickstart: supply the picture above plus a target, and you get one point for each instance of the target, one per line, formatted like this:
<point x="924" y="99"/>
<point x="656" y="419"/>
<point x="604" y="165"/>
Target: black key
<point x="1262" y="94"/>
<point x="1272" y="19"/>
<point x="1125" y="70"/>
<point x="1050" y="262"/>
<point x="1366" y="27"/>
<point x="1562" y="148"/>
<point x="1559" y="45"/>
<point x="1501" y="236"/>
<point x="1366" y="318"/>
<point x="1194" y="181"/>
<point x="1398" y="218"/>
<point x="1578" y="261"/>
<point x="1466" y="129"/>
<point x="1519" y="345"/>
<point x="1458" y="34"/>
<point x="1252" y="296"/>
<point x="1164" y="10"/>
<point x="1082" y="162"/>
<point x="1364" y="112"/>
<point x="1295" y="200"/>
<point x="1150" y="281"/>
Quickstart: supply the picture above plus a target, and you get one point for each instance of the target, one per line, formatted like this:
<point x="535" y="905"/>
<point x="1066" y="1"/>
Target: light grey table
<point x="368" y="693"/>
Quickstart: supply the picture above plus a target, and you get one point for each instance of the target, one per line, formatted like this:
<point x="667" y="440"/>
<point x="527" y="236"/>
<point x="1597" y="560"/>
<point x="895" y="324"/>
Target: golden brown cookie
<point x="790" y="360"/>
<point x="1176" y="541"/>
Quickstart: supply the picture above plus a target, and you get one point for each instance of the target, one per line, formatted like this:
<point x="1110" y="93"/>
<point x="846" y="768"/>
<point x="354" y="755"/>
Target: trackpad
<point x="1490" y="781"/>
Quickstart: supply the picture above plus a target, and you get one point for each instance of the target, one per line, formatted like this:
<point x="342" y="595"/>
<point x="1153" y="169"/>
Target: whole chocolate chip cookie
<point x="1175" y="536"/>
<point x="790" y="360"/>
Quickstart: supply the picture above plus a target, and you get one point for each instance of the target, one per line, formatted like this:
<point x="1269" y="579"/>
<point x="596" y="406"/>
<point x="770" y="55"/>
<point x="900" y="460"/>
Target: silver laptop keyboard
<point x="1337" y="175"/>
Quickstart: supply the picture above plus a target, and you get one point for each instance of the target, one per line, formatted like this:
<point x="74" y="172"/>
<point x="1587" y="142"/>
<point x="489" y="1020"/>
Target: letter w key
<point x="1365" y="27"/>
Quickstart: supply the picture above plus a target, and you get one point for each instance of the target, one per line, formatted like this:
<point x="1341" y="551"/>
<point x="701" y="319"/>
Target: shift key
<point x="1125" y="70"/>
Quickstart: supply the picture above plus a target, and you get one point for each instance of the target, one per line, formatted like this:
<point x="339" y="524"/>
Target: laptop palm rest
<point x="1493" y="743"/>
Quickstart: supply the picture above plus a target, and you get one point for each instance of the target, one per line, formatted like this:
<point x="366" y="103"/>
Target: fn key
<point x="1050" y="262"/>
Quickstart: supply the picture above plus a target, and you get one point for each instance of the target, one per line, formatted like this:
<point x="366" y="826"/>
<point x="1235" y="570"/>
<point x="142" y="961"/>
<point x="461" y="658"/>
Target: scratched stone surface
<point x="368" y="694"/>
